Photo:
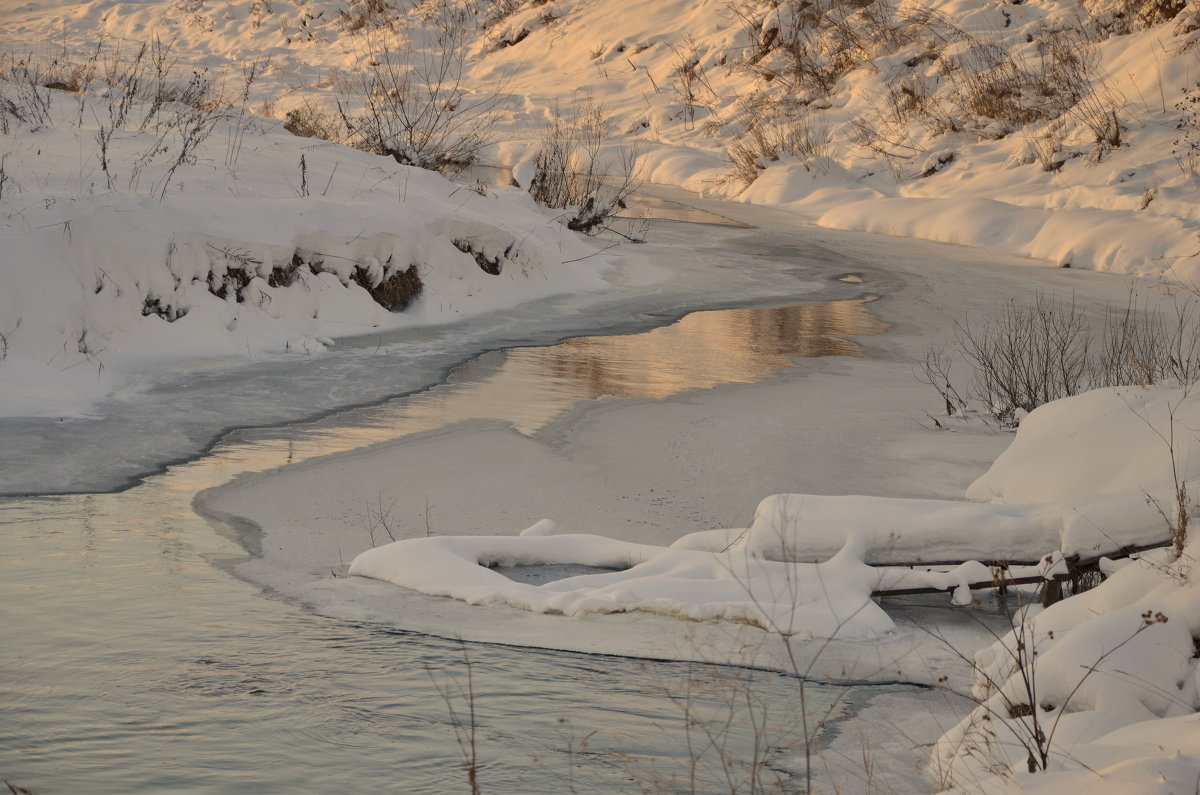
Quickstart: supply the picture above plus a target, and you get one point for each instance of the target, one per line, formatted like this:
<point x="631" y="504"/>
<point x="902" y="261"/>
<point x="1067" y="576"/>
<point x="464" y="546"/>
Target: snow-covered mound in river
<point x="827" y="599"/>
<point x="1100" y="689"/>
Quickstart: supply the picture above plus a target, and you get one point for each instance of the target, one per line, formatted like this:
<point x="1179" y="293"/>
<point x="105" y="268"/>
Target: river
<point x="132" y="663"/>
<point x="133" y="660"/>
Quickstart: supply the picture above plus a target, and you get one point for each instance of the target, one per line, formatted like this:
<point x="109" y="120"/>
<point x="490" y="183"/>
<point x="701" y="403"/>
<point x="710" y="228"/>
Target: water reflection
<point x="529" y="387"/>
<point x="707" y="349"/>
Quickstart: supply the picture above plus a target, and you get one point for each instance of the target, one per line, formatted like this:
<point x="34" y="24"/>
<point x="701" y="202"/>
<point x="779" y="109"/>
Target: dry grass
<point x="577" y="171"/>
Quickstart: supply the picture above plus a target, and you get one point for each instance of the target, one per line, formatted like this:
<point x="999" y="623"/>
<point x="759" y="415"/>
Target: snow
<point x="823" y="600"/>
<point x="84" y="263"/>
<point x="1114" y="676"/>
<point x="130" y="278"/>
<point x="1098" y="663"/>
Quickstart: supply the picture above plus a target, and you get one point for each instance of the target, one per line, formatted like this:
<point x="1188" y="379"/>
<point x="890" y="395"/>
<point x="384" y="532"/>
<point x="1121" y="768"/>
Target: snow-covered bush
<point x="1050" y="693"/>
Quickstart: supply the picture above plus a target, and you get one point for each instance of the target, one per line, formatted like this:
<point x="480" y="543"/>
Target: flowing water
<point x="130" y="663"/>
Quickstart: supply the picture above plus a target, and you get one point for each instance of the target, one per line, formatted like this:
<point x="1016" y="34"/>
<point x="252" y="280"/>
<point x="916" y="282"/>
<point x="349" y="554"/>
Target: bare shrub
<point x="575" y="172"/>
<point x="1029" y="355"/>
<point x="415" y="105"/>
<point x="1177" y="515"/>
<point x="1145" y="344"/>
<point x="28" y="99"/>
<point x="368" y="14"/>
<point x="767" y="133"/>
<point x="1016" y="712"/>
<point x="887" y="131"/>
<point x="691" y="84"/>
<point x="935" y="372"/>
<point x="499" y="10"/>
<point x="993" y="92"/>
<point x="1118" y="17"/>
<point x="1044" y="350"/>
<point x="1044" y="147"/>
<point x="987" y="83"/>
<point x="191" y="119"/>
<point x="312" y="121"/>
<point x="109" y="85"/>
<point x="808" y="45"/>
<point x="125" y="77"/>
<point x="1186" y="149"/>
<point x="982" y="87"/>
<point x="163" y="63"/>
<point x="1068" y="72"/>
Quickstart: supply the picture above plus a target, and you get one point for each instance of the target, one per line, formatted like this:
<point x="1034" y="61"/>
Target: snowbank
<point x="1103" y="442"/>
<point x="1058" y="131"/>
<point x="1104" y="240"/>
<point x="114" y="258"/>
<point x="1110" y="680"/>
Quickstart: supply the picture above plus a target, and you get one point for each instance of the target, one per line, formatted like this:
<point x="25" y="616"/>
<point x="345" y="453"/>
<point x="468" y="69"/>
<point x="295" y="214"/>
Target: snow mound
<point x="822" y="600"/>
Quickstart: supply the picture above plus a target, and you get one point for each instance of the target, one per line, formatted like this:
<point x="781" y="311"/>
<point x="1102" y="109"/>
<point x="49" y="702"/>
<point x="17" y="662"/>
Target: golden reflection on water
<point x="529" y="387"/>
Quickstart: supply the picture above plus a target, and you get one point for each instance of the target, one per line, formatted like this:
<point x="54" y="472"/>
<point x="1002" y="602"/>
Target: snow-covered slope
<point x="1058" y="130"/>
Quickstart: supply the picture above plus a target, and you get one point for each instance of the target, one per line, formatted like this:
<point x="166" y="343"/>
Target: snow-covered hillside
<point x="1063" y="131"/>
<point x="147" y="212"/>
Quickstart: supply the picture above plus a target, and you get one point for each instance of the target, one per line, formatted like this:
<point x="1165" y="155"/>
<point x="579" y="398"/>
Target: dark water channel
<point x="130" y="663"/>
